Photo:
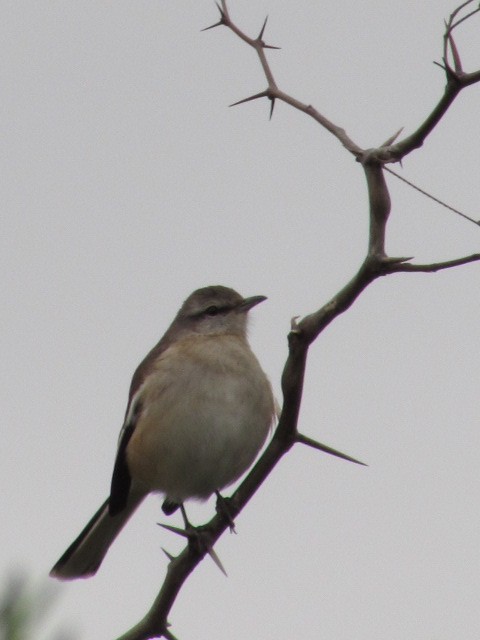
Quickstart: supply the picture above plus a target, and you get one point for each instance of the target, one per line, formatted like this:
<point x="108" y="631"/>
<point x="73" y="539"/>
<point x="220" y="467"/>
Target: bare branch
<point x="435" y="266"/>
<point x="457" y="62"/>
<point x="273" y="92"/>
<point x="388" y="152"/>
<point x="312" y="325"/>
<point x="451" y="24"/>
<point x="457" y="80"/>
<point x="380" y="205"/>
<point x="303" y="333"/>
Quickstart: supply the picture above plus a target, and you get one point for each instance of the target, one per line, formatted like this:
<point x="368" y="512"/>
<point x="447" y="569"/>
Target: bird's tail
<point x="84" y="556"/>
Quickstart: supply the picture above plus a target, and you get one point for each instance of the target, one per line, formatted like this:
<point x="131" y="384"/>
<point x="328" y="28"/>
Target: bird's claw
<point x="199" y="541"/>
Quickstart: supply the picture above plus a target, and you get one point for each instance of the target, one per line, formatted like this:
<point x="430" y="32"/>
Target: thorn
<point x="392" y="260"/>
<point x="263" y="94"/>
<point x="326" y="449"/>
<point x="216" y="560"/>
<point x="222" y="20"/>
<point x="212" y="26"/>
<point x="169" y="555"/>
<point x="392" y="139"/>
<point x="193" y="535"/>
<point x="167" y="634"/>
<point x="260" y="35"/>
<point x="272" y="105"/>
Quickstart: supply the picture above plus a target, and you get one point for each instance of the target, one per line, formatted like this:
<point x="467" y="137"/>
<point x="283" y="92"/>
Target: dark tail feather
<point x="84" y="556"/>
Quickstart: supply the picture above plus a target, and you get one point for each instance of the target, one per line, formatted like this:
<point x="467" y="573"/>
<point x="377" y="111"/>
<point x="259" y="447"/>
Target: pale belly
<point x="205" y="419"/>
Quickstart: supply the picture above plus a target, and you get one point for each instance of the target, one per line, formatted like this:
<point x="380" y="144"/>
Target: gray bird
<point x="199" y="410"/>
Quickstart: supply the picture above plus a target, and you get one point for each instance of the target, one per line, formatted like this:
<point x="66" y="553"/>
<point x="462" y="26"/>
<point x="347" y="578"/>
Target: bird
<point x="199" y="410"/>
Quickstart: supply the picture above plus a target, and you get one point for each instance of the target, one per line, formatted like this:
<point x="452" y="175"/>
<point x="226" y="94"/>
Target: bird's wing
<point x="146" y="366"/>
<point x="121" y="479"/>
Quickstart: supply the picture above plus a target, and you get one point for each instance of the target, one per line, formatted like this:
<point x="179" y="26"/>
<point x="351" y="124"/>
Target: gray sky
<point x="127" y="183"/>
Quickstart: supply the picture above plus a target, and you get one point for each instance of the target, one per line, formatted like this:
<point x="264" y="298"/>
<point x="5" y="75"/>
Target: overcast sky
<point x="127" y="182"/>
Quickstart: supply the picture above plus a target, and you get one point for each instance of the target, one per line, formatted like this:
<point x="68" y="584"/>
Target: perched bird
<point x="199" y="410"/>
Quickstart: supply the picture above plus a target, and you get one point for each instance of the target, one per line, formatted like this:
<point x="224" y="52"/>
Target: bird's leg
<point x="186" y="521"/>
<point x="198" y="539"/>
<point x="223" y="508"/>
<point x="190" y="532"/>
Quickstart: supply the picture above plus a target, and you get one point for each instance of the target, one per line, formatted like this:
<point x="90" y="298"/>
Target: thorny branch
<point x="303" y="333"/>
<point x="457" y="80"/>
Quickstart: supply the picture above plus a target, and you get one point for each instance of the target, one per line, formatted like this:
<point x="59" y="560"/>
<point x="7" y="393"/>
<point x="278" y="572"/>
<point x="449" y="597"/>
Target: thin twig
<point x="429" y="195"/>
<point x="453" y="25"/>
<point x="434" y="266"/>
<point x="274" y="93"/>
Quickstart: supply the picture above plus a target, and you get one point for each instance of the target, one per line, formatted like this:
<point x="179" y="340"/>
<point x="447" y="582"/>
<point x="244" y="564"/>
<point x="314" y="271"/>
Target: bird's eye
<point x="212" y="311"/>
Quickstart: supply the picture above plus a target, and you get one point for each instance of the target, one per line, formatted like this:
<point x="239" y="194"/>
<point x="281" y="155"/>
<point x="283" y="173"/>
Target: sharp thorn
<point x="272" y="105"/>
<point x="212" y="26"/>
<point x="394" y="260"/>
<point x="217" y="561"/>
<point x="263" y="94"/>
<point x="392" y="139"/>
<point x="220" y="22"/>
<point x="270" y="46"/>
<point x="260" y="35"/>
<point x="220" y="8"/>
<point x="169" y="555"/>
<point x="167" y="634"/>
<point x="326" y="449"/>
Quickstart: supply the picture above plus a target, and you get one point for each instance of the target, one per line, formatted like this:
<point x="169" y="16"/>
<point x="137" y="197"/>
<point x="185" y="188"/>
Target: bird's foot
<point x="199" y="541"/>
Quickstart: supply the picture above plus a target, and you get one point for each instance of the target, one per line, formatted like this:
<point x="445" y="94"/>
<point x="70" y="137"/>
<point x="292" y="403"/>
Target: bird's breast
<point x="207" y="407"/>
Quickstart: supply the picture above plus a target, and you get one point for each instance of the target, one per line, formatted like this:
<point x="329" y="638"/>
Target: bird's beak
<point x="248" y="303"/>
